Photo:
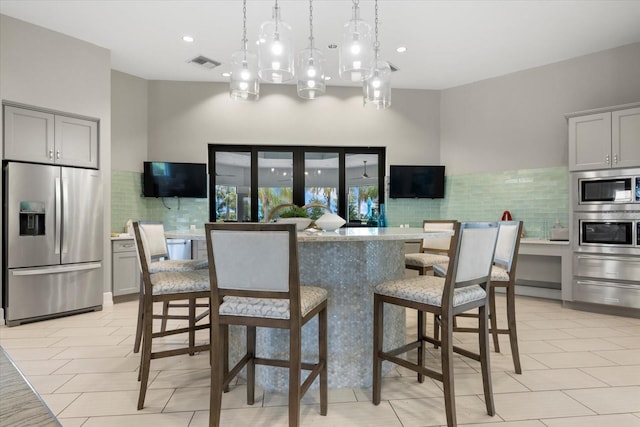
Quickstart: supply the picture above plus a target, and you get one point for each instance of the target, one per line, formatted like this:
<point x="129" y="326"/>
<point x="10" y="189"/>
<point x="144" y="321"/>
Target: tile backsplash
<point x="127" y="203"/>
<point x="539" y="197"/>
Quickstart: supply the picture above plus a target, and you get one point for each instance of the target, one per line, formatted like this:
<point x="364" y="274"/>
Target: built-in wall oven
<point x="606" y="237"/>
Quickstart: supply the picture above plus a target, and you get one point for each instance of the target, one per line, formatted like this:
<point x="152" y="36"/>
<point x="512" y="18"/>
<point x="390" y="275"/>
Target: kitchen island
<point x="348" y="263"/>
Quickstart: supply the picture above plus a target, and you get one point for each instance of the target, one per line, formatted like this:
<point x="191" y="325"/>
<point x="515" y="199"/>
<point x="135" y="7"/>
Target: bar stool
<point x="463" y="288"/>
<point x="432" y="251"/>
<point x="255" y="282"/>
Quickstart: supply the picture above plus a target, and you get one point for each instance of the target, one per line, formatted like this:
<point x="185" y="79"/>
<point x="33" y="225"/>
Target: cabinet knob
<point x="606" y="159"/>
<point x="57" y="154"/>
<point x="615" y="159"/>
<point x="51" y="154"/>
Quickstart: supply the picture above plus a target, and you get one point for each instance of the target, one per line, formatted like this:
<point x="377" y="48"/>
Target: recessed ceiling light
<point x="401" y="49"/>
<point x="327" y="78"/>
<point x="333" y="46"/>
<point x="188" y="39"/>
<point x="226" y="74"/>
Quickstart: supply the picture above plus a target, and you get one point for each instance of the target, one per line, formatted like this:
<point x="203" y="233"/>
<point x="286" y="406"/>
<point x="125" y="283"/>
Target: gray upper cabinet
<point x="605" y="140"/>
<point x="36" y="136"/>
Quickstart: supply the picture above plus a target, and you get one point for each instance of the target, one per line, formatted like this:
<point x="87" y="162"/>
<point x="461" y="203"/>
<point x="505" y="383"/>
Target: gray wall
<point x="517" y="121"/>
<point x="185" y="117"/>
<point x="42" y="68"/>
<point x="129" y="121"/>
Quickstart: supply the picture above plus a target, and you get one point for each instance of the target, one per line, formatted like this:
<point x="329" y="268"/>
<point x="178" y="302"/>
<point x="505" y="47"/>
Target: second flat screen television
<point x="421" y="182"/>
<point x="168" y="179"/>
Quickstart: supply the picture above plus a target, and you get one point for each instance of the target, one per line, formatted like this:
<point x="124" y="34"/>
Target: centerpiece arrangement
<point x="299" y="215"/>
<point x="296" y="215"/>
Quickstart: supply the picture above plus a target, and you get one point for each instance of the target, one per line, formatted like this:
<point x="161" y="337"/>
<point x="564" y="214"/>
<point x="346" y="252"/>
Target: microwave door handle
<point x="58" y="216"/>
<point x="65" y="213"/>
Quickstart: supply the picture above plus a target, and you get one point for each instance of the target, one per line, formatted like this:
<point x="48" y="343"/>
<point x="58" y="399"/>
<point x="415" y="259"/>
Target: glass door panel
<point x="233" y="186"/>
<point x="275" y="181"/>
<point x="362" y="182"/>
<point x="321" y="181"/>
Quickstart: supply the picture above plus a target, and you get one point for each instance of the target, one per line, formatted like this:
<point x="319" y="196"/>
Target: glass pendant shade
<point x="356" y="56"/>
<point x="310" y="71"/>
<point x="377" y="88"/>
<point x="245" y="84"/>
<point x="275" y="50"/>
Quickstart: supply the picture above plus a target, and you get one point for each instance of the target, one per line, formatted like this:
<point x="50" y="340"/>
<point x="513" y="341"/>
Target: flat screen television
<point x="421" y="182"/>
<point x="168" y="179"/>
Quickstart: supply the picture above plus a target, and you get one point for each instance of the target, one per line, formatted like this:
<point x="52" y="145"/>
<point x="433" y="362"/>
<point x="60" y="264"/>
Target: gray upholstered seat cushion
<point x="172" y="282"/>
<point x="424" y="259"/>
<point x="498" y="273"/>
<point x="310" y="297"/>
<point x="177" y="265"/>
<point x="428" y="290"/>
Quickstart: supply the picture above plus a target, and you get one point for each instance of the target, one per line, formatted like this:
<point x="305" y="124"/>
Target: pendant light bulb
<point x="356" y="57"/>
<point x="377" y="88"/>
<point x="310" y="66"/>
<point x="275" y="50"/>
<point x="244" y="83"/>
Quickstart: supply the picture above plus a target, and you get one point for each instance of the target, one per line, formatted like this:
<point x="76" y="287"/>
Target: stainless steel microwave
<point x="607" y="190"/>
<point x="612" y="232"/>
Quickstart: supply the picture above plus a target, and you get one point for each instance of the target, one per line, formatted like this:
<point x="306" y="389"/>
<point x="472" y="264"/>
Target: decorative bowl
<point x="301" y="223"/>
<point x="330" y="222"/>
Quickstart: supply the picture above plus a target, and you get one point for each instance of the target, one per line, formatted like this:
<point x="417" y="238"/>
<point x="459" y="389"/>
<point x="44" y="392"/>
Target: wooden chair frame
<point x="445" y="313"/>
<point x="166" y="305"/>
<point x="425" y="249"/>
<point x="147" y="300"/>
<point x="510" y="265"/>
<point x="221" y="375"/>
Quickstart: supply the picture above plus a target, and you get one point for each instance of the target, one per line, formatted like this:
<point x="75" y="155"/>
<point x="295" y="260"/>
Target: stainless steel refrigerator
<point x="53" y="241"/>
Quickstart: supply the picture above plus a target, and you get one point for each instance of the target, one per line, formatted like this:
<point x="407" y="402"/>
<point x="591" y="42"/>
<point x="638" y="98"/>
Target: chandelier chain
<point x="311" y="24"/>
<point x="244" y="25"/>
<point x="376" y="45"/>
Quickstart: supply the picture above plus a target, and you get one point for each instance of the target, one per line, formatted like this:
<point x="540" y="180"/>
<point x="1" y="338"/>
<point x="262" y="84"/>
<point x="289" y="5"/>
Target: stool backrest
<point x="508" y="243"/>
<point x="156" y="242"/>
<point x="254" y="260"/>
<point x="471" y="257"/>
<point x="438" y="244"/>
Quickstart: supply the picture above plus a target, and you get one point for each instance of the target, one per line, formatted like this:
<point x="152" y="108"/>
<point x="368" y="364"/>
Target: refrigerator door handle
<point x="56" y="269"/>
<point x="65" y="213"/>
<point x="58" y="217"/>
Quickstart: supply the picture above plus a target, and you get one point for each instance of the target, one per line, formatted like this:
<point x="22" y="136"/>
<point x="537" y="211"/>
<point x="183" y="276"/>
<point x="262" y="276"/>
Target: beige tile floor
<point x="579" y="369"/>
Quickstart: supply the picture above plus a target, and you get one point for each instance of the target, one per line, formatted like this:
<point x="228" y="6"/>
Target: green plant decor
<point x="294" y="212"/>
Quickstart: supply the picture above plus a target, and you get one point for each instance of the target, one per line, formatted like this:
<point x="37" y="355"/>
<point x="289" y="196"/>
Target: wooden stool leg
<point x="139" y="325"/>
<point x="421" y="317"/>
<point x="165" y="313"/>
<point x="513" y="334"/>
<point x="436" y="329"/>
<point x="446" y="355"/>
<point x="377" y="348"/>
<point x="192" y="325"/>
<point x="217" y="374"/>
<point x="323" y="351"/>
<point x="251" y="365"/>
<point x="493" y="317"/>
<point x="295" y="361"/>
<point x="145" y="357"/>
<point x="483" y="338"/>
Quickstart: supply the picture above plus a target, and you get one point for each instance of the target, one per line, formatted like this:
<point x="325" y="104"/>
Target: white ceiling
<point x="449" y="43"/>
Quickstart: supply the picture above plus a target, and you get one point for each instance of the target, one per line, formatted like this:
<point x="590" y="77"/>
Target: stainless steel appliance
<point x="606" y="237"/>
<point x="54" y="241"/>
<point x="606" y="190"/>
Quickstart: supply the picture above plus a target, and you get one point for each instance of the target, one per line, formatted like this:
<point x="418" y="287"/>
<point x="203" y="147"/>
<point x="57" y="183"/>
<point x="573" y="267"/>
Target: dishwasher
<point x="179" y="248"/>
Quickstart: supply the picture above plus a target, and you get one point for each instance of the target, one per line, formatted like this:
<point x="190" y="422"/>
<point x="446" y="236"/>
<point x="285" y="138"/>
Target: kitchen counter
<point x="543" y="263"/>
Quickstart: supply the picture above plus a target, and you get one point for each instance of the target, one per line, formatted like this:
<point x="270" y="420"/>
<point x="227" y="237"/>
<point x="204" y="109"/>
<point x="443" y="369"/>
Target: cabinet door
<point x="200" y="249"/>
<point x="76" y="142"/>
<point x="125" y="270"/>
<point x="625" y="138"/>
<point x="590" y="142"/>
<point x="28" y="135"/>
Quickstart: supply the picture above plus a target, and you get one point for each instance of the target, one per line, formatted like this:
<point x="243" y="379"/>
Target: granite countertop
<point x="340" y="235"/>
<point x="530" y="240"/>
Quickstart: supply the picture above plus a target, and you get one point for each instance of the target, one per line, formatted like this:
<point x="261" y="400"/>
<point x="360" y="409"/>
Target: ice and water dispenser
<point x="32" y="216"/>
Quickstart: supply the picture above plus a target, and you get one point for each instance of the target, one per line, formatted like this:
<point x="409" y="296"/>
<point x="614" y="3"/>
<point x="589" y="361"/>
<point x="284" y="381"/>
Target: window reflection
<point x="363" y="188"/>
<point x="275" y="180"/>
<point x="233" y="186"/>
<point x="321" y="179"/>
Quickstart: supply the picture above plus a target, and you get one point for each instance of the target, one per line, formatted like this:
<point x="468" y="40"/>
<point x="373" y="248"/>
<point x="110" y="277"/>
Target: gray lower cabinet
<point x="125" y="273"/>
<point x="199" y="249"/>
